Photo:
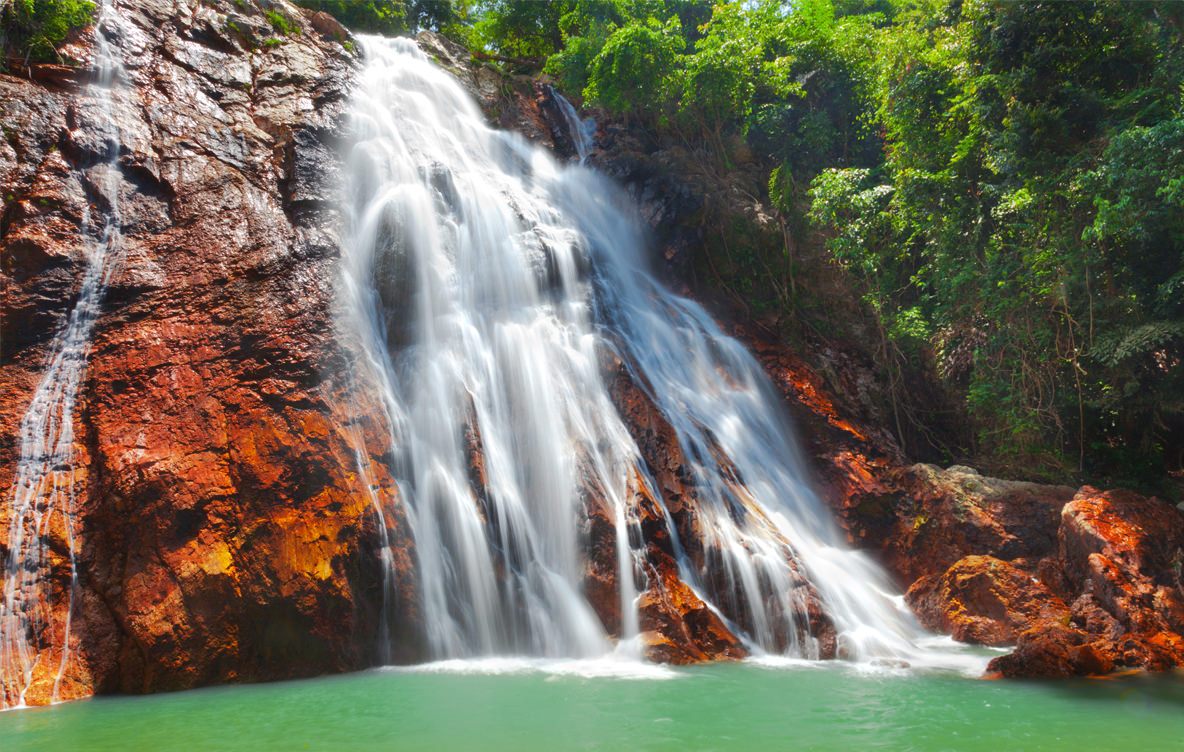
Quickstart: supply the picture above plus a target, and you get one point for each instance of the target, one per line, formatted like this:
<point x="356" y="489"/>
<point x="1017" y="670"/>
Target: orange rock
<point x="223" y="529"/>
<point x="984" y="600"/>
<point x="1052" y="651"/>
<point x="678" y="627"/>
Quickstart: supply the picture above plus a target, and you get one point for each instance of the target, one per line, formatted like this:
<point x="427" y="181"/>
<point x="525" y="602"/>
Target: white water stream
<point x="580" y="130"/>
<point x="486" y="282"/>
<point x="31" y="626"/>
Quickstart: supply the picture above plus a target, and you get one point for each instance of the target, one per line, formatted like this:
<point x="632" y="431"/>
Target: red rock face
<point x="1122" y="553"/>
<point x="225" y="526"/>
<point x="984" y="600"/>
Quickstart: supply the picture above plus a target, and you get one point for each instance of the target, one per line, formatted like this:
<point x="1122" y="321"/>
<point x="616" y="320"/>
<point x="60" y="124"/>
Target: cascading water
<point x="485" y="283"/>
<point x="31" y="626"/>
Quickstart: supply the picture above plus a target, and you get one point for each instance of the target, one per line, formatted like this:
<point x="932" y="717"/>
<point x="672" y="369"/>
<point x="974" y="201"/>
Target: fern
<point x="1136" y="342"/>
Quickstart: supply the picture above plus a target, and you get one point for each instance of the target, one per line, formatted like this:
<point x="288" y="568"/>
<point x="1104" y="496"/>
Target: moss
<point x="282" y="24"/>
<point x="271" y="42"/>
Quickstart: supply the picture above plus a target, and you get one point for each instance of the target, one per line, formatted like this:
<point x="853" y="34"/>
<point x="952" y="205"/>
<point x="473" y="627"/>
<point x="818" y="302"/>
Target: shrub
<point x="33" y="29"/>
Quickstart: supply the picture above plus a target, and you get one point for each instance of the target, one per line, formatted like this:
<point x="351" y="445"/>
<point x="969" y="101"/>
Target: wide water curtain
<point x="488" y="287"/>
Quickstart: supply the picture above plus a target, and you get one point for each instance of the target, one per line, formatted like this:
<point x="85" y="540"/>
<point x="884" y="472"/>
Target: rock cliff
<point x="223" y="525"/>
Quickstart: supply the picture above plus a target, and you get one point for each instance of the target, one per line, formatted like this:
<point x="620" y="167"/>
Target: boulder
<point x="984" y="600"/>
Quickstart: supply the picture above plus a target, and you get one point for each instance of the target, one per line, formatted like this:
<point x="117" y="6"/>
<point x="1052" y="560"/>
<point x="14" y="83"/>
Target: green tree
<point x="33" y="29"/>
<point x="1026" y="221"/>
<point x="634" y="71"/>
<point x="522" y="29"/>
<point x="392" y="17"/>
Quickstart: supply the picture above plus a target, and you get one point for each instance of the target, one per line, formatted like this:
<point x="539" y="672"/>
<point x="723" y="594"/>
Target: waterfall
<point x="31" y="630"/>
<point x="485" y="285"/>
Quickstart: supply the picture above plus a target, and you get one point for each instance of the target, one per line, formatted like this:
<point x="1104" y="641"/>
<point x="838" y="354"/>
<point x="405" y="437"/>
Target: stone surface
<point x="1122" y="553"/>
<point x="666" y="466"/>
<point x="984" y="600"/>
<point x="224" y="527"/>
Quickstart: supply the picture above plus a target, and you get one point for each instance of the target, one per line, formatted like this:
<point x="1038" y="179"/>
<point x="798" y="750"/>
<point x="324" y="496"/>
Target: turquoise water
<point x="732" y="707"/>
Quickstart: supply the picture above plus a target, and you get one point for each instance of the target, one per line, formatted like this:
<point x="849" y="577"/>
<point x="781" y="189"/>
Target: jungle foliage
<point x="32" y="30"/>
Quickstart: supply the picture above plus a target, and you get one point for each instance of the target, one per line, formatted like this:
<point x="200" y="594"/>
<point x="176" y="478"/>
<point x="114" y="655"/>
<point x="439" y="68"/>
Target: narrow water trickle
<point x="487" y="285"/>
<point x="580" y="130"/>
<point x="34" y="628"/>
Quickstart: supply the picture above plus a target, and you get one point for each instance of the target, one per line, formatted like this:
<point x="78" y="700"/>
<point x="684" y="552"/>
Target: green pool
<point x="511" y="707"/>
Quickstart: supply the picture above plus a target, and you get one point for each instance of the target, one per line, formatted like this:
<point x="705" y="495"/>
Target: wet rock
<point x="1048" y="652"/>
<point x="678" y="627"/>
<point x="984" y="600"/>
<point x="226" y="476"/>
<point x="675" y="499"/>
